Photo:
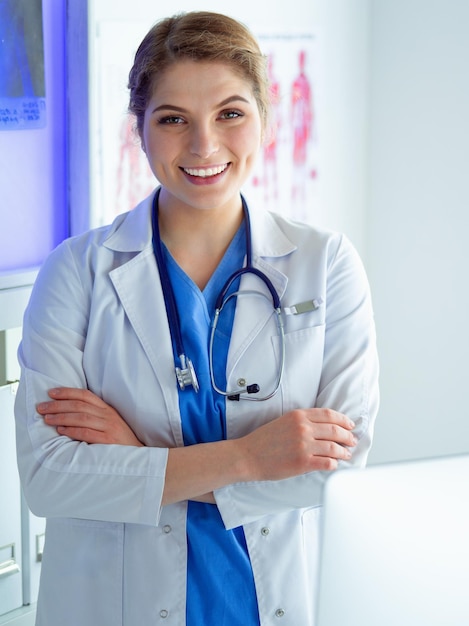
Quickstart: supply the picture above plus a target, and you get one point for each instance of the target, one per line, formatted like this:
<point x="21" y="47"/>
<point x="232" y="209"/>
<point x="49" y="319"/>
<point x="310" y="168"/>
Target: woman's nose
<point x="204" y="141"/>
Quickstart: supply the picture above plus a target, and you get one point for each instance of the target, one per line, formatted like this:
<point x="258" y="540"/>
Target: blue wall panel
<point x="33" y="167"/>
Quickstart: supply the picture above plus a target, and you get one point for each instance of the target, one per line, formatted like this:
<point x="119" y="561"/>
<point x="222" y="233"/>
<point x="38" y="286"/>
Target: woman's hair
<point x="197" y="36"/>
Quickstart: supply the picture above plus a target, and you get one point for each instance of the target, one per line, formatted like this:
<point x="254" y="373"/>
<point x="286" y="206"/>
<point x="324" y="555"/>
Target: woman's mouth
<point x="206" y="172"/>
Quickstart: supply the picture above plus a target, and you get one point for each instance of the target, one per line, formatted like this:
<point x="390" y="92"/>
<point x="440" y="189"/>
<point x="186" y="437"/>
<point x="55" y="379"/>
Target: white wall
<point x="418" y="218"/>
<point x="344" y="30"/>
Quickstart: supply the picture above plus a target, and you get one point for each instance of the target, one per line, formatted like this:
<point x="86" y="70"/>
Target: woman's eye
<point x="171" y="119"/>
<point x="231" y="115"/>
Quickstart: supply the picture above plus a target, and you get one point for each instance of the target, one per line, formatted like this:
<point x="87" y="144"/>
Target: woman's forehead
<point x="209" y="77"/>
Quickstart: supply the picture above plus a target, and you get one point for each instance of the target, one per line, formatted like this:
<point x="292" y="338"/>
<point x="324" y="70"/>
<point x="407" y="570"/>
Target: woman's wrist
<point x="194" y="471"/>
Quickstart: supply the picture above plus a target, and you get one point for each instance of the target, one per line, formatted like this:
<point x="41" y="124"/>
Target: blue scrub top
<point x="220" y="583"/>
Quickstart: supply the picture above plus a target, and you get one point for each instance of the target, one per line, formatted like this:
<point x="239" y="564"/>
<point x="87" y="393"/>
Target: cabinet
<point x="21" y="532"/>
<point x="11" y="585"/>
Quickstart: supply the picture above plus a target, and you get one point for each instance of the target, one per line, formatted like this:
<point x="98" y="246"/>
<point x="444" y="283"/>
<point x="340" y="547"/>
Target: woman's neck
<point x="198" y="238"/>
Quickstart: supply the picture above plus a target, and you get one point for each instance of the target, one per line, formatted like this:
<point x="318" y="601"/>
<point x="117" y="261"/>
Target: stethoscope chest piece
<point x="186" y="375"/>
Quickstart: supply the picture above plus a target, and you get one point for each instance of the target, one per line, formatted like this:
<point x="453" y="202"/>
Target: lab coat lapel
<point x="138" y="286"/>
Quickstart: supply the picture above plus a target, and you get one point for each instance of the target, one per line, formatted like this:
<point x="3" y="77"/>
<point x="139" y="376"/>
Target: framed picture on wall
<point x="22" y="82"/>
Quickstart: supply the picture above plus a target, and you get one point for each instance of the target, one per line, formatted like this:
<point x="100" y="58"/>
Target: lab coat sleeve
<point x="349" y="384"/>
<point x="62" y="477"/>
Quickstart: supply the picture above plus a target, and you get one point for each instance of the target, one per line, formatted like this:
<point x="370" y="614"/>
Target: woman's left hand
<point x="83" y="416"/>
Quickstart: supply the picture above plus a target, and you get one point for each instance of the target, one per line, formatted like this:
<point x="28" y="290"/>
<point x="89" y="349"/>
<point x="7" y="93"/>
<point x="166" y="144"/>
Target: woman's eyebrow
<point x="235" y="98"/>
<point x="172" y="107"/>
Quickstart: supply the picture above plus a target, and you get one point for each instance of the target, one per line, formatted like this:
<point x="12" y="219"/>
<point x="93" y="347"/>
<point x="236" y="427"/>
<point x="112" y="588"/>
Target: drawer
<point x="33" y="529"/>
<point x="11" y="588"/>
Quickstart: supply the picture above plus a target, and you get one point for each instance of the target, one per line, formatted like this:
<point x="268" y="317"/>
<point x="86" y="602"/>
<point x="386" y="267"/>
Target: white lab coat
<point x="113" y="556"/>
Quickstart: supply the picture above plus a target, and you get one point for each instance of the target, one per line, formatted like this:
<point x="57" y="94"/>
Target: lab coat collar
<point x="268" y="239"/>
<point x="268" y="243"/>
<point x="131" y="232"/>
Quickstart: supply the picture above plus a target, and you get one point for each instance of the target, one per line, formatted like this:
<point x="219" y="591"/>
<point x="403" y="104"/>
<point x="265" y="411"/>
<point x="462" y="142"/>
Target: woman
<point x="169" y="495"/>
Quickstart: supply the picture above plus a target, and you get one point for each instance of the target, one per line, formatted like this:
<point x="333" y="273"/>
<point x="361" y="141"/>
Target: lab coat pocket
<point x="82" y="559"/>
<point x="304" y="350"/>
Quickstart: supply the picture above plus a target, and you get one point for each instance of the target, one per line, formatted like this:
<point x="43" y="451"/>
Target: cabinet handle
<point x="40" y="546"/>
<point x="7" y="568"/>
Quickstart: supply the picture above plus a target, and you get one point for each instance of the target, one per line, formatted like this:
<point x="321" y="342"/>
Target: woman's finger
<point x="71" y="406"/>
<point x="81" y="420"/>
<point x="329" y="416"/>
<point x="334" y="433"/>
<point x="75" y="393"/>
<point x="332" y="450"/>
<point x="88" y="435"/>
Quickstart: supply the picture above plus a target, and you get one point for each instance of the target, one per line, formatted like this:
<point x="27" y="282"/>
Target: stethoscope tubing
<point x="185" y="373"/>
<point x="168" y="294"/>
<point x="235" y="394"/>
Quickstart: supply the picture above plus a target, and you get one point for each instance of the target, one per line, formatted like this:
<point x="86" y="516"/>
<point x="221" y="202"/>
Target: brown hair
<point x="199" y="36"/>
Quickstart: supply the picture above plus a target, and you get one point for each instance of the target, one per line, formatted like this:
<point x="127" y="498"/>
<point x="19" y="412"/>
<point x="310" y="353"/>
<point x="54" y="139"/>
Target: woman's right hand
<point x="84" y="416"/>
<point x="298" y="442"/>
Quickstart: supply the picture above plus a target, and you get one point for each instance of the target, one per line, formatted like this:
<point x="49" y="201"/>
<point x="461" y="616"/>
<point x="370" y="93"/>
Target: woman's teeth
<point x="203" y="173"/>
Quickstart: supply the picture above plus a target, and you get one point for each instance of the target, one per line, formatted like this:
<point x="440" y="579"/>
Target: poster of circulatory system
<point x="285" y="178"/>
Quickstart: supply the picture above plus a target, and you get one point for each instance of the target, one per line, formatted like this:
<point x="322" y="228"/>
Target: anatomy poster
<point x="285" y="178"/>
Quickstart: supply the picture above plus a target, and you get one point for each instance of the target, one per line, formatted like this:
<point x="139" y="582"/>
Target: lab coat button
<point x="279" y="613"/>
<point x="164" y="613"/>
<point x="167" y="529"/>
<point x="265" y="531"/>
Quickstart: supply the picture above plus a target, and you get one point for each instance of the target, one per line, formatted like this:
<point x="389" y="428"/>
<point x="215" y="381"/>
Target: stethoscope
<point x="185" y="372"/>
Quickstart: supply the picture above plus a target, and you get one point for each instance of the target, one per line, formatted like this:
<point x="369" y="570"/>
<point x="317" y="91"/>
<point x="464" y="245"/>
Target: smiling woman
<point x="202" y="133"/>
<point x="154" y="470"/>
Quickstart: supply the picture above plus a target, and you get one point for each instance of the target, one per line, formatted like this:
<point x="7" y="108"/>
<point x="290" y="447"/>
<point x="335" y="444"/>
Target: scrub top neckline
<point x="209" y="293"/>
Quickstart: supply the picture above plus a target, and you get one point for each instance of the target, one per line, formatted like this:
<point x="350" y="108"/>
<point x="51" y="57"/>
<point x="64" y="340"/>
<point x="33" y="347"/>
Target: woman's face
<point x="201" y="134"/>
